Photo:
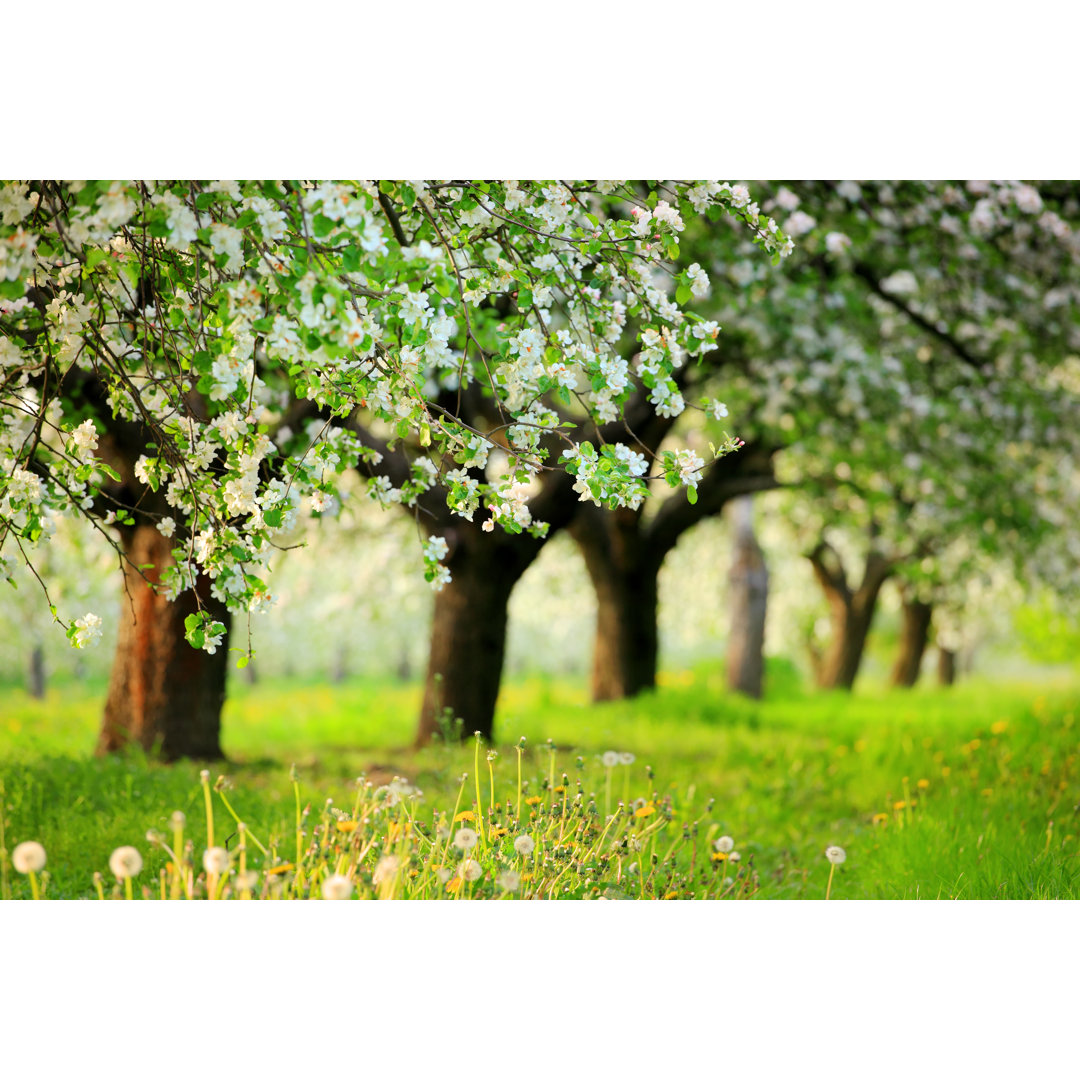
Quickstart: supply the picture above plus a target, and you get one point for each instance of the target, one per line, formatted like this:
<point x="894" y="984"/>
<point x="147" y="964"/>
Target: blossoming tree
<point x="904" y="369"/>
<point x="191" y="367"/>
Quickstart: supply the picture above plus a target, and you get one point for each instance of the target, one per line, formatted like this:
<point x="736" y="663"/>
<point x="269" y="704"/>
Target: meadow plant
<point x="388" y="845"/>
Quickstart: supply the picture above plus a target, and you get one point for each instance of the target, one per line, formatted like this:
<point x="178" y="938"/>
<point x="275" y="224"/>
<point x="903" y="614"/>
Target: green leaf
<point x="691" y="495"/>
<point x="683" y="294"/>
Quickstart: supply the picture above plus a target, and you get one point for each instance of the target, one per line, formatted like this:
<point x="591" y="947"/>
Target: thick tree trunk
<point x="749" y="581"/>
<point x="624" y="573"/>
<point x="468" y="632"/>
<point x="163" y="694"/>
<point x="851" y="613"/>
<point x="914" y="633"/>
<point x="946" y="666"/>
<point x="36" y="676"/>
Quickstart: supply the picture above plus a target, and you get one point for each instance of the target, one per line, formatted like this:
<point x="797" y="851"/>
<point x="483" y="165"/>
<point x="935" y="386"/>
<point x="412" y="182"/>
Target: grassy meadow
<point x="970" y="792"/>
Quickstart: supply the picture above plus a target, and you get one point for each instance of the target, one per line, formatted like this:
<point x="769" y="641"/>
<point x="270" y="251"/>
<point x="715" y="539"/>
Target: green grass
<point x="997" y="818"/>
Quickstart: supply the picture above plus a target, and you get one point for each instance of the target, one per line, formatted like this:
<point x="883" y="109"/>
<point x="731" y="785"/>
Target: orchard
<point x="541" y="538"/>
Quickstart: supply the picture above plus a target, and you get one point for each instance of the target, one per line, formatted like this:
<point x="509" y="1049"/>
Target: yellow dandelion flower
<point x="998" y="726"/>
<point x="899" y="805"/>
<point x="880" y="819"/>
<point x="453" y="885"/>
<point x="924" y="784"/>
<point x="534" y="800"/>
<point x="496" y="832"/>
<point x="719" y="856"/>
<point x="347" y="826"/>
<point x="645" y="811"/>
<point x="671" y="896"/>
<point x="465" y="815"/>
<point x="281" y="868"/>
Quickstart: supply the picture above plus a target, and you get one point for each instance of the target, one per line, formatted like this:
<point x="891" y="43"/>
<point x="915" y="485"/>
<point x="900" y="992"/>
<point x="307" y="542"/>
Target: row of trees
<point x="506" y="361"/>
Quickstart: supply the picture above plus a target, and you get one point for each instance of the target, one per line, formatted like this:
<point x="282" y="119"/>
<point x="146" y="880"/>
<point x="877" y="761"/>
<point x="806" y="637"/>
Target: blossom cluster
<point x="232" y="349"/>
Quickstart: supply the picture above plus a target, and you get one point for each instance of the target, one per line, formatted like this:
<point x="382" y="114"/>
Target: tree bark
<point x="851" y="612"/>
<point x="468" y="632"/>
<point x="624" y="572"/>
<point x="946" y="666"/>
<point x="163" y="695"/>
<point x="914" y="634"/>
<point x="749" y="580"/>
<point x="36" y="675"/>
<point x="624" y="553"/>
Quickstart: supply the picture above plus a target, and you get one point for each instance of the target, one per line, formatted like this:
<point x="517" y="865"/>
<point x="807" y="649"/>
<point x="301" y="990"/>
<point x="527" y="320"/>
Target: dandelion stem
<point x="479" y="800"/>
<point x="517" y="805"/>
<point x="828" y="888"/>
<point x="236" y="818"/>
<point x="34" y="886"/>
<point x="209" y="809"/>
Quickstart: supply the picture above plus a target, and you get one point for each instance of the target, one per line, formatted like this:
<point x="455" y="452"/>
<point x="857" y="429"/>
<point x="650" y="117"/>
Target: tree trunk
<point x="163" y="694"/>
<point x="624" y="573"/>
<point x="914" y="633"/>
<point x="851" y="613"/>
<point x="749" y="580"/>
<point x="36" y="681"/>
<point x="468" y="631"/>
<point x="946" y="666"/>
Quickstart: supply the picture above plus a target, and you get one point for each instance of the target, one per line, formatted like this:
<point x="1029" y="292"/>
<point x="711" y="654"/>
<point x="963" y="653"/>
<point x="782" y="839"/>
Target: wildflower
<point x="443" y="874"/>
<point x="465" y="839"/>
<point x="125" y="862"/>
<point x="247" y="880"/>
<point x="337" y="887"/>
<point x="28" y="857"/>
<point x="880" y="819"/>
<point x="178" y="819"/>
<point x="626" y="758"/>
<point x="835" y="855"/>
<point x="215" y="860"/>
<point x="724" y="844"/>
<point x="524" y="844"/>
<point x="346" y="825"/>
<point x="734" y="857"/>
<point x="465" y="815"/>
<point x="923" y="784"/>
<point x="645" y="811"/>
<point x="534" y="800"/>
<point x="509" y="880"/>
<point x="610" y="759"/>
<point x="470" y="870"/>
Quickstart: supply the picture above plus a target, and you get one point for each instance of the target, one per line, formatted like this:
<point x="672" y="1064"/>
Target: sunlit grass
<point x="967" y="793"/>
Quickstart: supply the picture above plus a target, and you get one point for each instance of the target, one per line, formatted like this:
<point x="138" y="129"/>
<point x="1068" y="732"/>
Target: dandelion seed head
<point x="337" y="887"/>
<point x="835" y="855"/>
<point x="28" y="857"/>
<point x="215" y="860"/>
<point x="724" y="844"/>
<point x="385" y="869"/>
<point x="524" y="844"/>
<point x="125" y="862"/>
<point x="610" y="759"/>
<point x="469" y="870"/>
<point x="465" y="839"/>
